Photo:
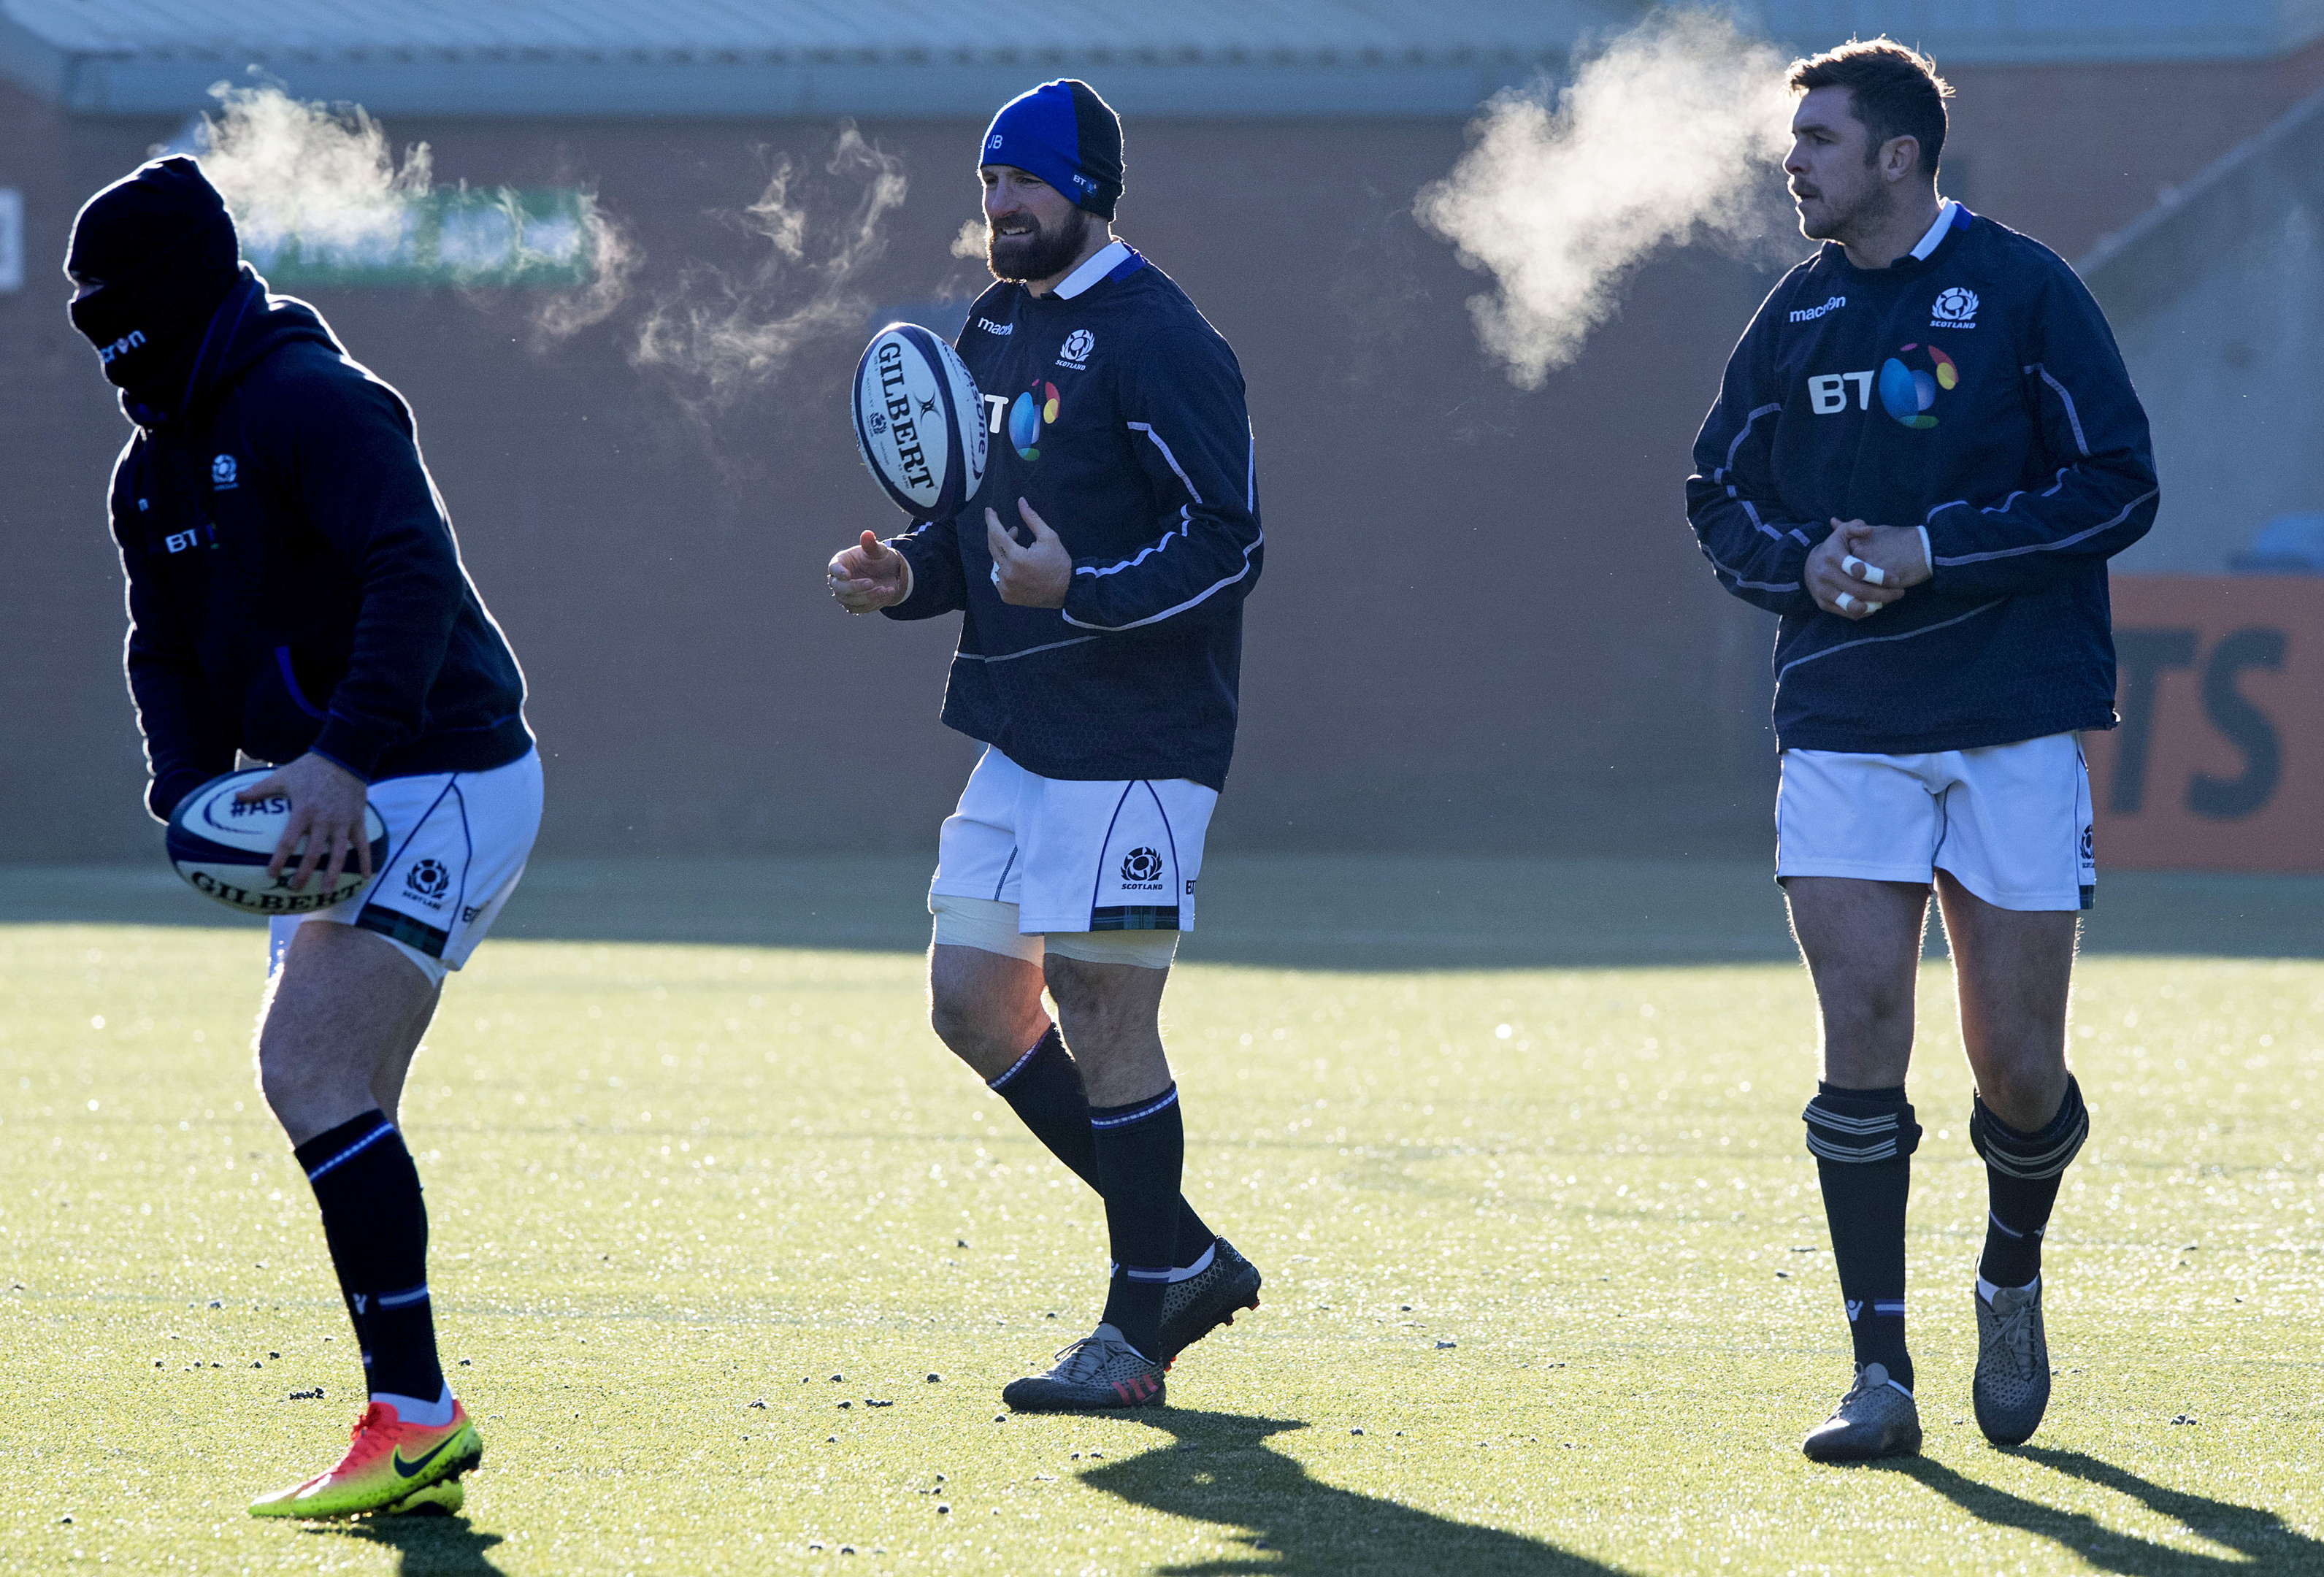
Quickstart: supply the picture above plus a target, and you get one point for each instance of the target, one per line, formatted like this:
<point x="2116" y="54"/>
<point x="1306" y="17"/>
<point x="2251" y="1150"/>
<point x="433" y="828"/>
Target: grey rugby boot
<point x="2012" y="1388"/>
<point x="1876" y="1418"/>
<point x="1193" y="1308"/>
<point x="1099" y="1371"/>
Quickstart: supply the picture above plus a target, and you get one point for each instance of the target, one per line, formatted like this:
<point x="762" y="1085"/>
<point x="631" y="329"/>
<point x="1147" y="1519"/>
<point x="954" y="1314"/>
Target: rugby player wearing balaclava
<point x="1928" y="421"/>
<point x="295" y="593"/>
<point x="1101" y="572"/>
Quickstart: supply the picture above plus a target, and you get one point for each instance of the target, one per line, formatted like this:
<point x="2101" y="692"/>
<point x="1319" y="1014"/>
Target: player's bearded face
<point x="1833" y="169"/>
<point x="1017" y="245"/>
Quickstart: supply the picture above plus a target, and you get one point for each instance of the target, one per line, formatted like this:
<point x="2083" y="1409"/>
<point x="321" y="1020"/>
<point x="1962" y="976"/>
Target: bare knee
<point x="956" y="1018"/>
<point x="1868" y="1033"/>
<point x="288" y="1084"/>
<point x="2024" y="1093"/>
<point x="985" y="1006"/>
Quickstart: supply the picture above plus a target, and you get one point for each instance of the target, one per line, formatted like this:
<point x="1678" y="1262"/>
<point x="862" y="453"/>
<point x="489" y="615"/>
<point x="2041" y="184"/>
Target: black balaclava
<point x="163" y="245"/>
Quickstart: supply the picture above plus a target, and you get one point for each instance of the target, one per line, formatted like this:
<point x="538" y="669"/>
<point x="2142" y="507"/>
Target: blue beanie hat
<point x="1064" y="132"/>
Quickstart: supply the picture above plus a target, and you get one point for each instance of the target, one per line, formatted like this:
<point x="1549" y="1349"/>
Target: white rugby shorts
<point x="1080" y="859"/>
<point x="457" y="845"/>
<point x="2011" y="822"/>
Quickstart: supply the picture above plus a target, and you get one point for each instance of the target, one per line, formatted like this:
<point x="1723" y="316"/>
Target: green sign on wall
<point x="451" y="237"/>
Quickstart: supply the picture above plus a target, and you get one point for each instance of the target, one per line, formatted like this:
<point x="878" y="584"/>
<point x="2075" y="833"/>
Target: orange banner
<point x="2219" y="764"/>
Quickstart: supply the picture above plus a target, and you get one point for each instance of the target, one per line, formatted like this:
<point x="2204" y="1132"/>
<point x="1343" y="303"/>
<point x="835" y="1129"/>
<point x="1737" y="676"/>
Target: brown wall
<point x="2072" y="153"/>
<point x="1483" y="624"/>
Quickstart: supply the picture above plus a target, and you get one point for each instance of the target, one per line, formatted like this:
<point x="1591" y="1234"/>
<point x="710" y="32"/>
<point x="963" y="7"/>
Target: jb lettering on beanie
<point x="1064" y="132"/>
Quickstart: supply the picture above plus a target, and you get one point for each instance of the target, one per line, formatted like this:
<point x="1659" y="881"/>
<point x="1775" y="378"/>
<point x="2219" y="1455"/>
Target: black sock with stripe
<point x="1863" y="1142"/>
<point x="2021" y="1174"/>
<point x="376" y="1225"/>
<point x="1141" y="1149"/>
<point x="1045" y="1090"/>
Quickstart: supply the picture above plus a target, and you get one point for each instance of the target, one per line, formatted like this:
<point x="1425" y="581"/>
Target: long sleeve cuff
<point x="163" y="793"/>
<point x="349" y="745"/>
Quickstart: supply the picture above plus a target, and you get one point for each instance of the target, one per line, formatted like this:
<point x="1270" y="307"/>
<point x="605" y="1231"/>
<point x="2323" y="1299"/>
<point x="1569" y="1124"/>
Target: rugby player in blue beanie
<point x="1100" y="643"/>
<point x="296" y="596"/>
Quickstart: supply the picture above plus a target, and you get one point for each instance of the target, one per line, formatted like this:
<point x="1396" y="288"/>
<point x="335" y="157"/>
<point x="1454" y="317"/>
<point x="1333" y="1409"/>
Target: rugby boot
<point x="1876" y="1418"/>
<point x="2012" y="1388"/>
<point x="442" y="1498"/>
<point x="1193" y="1308"/>
<point x="1099" y="1371"/>
<point x="389" y="1466"/>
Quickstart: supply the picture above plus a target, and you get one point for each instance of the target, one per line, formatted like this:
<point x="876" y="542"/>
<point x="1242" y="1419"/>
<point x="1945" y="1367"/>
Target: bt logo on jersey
<point x="1906" y="392"/>
<point x="1033" y="409"/>
<point x="1828" y="392"/>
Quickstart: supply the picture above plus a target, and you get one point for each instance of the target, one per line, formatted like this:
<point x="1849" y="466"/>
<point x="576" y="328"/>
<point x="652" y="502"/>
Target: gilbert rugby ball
<point x="222" y="846"/>
<point x="920" y="422"/>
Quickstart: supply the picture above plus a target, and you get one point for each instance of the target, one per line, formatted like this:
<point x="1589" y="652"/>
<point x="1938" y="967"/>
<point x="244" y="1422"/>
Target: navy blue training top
<point x="294" y="584"/>
<point x="1977" y="392"/>
<point x="1116" y="410"/>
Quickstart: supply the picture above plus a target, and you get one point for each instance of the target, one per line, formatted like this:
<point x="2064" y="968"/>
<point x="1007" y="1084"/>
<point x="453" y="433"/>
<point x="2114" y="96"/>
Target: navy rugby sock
<point x="1141" y="1149"/>
<point x="1863" y="1142"/>
<point x="376" y="1225"/>
<point x="2021" y="1174"/>
<point x="1045" y="1090"/>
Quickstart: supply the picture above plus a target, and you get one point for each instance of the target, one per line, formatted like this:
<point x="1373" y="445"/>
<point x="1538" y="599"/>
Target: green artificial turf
<point x="730" y="1262"/>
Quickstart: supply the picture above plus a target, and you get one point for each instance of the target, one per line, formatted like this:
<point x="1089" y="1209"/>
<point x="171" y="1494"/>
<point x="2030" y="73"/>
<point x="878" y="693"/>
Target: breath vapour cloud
<point x="1667" y="137"/>
<point x="291" y="171"/>
<point x="728" y="331"/>
<point x="328" y="181"/>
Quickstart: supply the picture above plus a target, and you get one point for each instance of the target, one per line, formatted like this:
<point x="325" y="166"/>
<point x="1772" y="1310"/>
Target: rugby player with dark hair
<point x="1101" y="572"/>
<point x="295" y="594"/>
<point x="1923" y="453"/>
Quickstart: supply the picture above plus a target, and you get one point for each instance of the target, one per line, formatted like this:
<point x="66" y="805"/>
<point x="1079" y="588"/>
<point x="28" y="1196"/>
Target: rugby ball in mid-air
<point x="920" y="422"/>
<point x="221" y="847"/>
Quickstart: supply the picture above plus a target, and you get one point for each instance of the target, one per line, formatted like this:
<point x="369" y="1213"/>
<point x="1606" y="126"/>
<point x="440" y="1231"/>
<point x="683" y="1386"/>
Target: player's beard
<point x="1040" y="254"/>
<point x="1869" y="206"/>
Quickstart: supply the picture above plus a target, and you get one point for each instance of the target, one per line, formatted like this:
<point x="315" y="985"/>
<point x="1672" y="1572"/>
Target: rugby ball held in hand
<point x="920" y="422"/>
<point x="221" y="847"/>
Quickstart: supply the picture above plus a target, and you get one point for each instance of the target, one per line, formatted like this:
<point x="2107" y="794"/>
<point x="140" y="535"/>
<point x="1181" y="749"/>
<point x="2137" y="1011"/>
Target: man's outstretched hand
<point x="326" y="809"/>
<point x="869" y="576"/>
<point x="1034" y="576"/>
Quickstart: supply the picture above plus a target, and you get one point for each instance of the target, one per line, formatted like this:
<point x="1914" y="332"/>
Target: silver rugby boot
<point x="1100" y="1370"/>
<point x="2012" y="1389"/>
<point x="1876" y="1418"/>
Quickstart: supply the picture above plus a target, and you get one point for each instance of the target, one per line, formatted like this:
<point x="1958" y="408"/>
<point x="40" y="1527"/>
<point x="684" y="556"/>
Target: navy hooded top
<point x="294" y="584"/>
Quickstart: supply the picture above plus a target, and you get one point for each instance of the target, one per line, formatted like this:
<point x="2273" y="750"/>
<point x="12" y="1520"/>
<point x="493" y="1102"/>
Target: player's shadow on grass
<point x="425" y="1546"/>
<point x="2259" y="1537"/>
<point x="1221" y="1469"/>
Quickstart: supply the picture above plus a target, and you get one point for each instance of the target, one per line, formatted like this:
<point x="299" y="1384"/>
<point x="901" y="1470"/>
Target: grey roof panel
<point x="2023" y="32"/>
<point x="794" y="57"/>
